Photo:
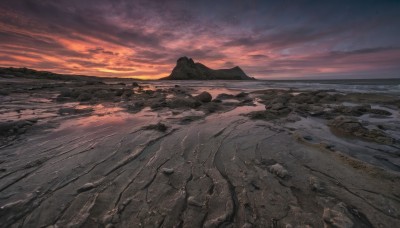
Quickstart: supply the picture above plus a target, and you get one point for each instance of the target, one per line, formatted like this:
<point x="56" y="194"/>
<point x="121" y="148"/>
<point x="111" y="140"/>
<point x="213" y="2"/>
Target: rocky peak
<point x="187" y="69"/>
<point x="237" y="68"/>
<point x="182" y="61"/>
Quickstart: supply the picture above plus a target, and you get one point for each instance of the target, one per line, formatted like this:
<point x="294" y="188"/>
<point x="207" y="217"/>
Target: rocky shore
<point x="107" y="153"/>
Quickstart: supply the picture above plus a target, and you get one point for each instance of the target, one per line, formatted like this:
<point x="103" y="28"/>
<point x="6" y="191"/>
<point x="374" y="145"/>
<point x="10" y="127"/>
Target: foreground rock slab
<point x="173" y="161"/>
<point x="226" y="170"/>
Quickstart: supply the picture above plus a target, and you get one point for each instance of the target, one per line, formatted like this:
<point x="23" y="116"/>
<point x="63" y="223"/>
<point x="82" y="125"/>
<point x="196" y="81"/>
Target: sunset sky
<point x="143" y="39"/>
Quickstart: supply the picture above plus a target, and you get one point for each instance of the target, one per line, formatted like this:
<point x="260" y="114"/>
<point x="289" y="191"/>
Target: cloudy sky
<point x="143" y="39"/>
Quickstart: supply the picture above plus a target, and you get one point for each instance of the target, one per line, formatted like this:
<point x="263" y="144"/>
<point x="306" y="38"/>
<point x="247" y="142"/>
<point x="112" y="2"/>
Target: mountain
<point x="187" y="69"/>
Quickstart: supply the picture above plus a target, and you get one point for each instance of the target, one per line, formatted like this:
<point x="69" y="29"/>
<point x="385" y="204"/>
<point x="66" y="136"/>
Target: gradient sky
<point x="143" y="39"/>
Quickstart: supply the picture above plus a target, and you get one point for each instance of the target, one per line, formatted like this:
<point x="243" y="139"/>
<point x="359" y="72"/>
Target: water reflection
<point x="109" y="116"/>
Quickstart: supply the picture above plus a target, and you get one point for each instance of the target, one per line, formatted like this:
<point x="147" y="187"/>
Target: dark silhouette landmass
<point x="11" y="72"/>
<point x="187" y="69"/>
<point x="27" y="73"/>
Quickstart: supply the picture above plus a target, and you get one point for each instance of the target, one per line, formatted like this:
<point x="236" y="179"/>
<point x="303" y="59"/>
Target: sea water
<point x="389" y="86"/>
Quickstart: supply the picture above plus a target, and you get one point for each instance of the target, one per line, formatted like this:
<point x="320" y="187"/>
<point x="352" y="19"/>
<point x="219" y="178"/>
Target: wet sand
<point x="112" y="154"/>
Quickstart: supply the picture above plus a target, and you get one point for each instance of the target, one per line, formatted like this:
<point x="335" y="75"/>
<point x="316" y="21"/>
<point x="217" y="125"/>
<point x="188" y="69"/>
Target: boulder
<point x="204" y="97"/>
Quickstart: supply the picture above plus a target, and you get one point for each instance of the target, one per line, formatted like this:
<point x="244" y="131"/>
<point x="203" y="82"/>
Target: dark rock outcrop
<point x="187" y="69"/>
<point x="180" y="102"/>
<point x="351" y="126"/>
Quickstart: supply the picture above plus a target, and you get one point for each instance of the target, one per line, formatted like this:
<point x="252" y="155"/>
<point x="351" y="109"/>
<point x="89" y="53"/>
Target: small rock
<point x="159" y="127"/>
<point x="212" y="107"/>
<point x="188" y="119"/>
<point x="167" y="171"/>
<point x="347" y="125"/>
<point x="127" y="93"/>
<point x="52" y="226"/>
<point x="247" y="100"/>
<point x="241" y="94"/>
<point x="276" y="106"/>
<point x="224" y="96"/>
<point x="380" y="112"/>
<point x="293" y="118"/>
<point x="302" y="98"/>
<point x="382" y="127"/>
<point x="255" y="185"/>
<point x="34" y="163"/>
<point x="283" y="99"/>
<point x="84" y="97"/>
<point x="338" y="216"/>
<point x="315" y="184"/>
<point x="326" y="145"/>
<point x="278" y="170"/>
<point x="307" y="137"/>
<point x="179" y="102"/>
<point x="85" y="187"/>
<point x="192" y="201"/>
<point x="247" y="225"/>
<point x="119" y="92"/>
<point x="139" y="104"/>
<point x="74" y="111"/>
<point x="353" y="110"/>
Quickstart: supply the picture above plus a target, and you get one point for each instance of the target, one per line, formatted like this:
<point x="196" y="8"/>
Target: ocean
<point x="389" y="86"/>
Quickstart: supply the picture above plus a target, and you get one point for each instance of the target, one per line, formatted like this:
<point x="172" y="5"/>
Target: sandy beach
<point x="126" y="153"/>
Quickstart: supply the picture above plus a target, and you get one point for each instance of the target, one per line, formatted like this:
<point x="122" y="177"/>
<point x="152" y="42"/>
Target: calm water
<point x="391" y="86"/>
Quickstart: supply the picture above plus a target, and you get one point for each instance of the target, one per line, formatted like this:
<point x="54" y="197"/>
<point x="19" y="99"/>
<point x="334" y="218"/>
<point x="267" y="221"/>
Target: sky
<point x="144" y="38"/>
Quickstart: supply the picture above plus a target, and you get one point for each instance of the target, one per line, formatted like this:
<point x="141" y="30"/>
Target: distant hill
<point x="13" y="72"/>
<point x="34" y="74"/>
<point x="187" y="69"/>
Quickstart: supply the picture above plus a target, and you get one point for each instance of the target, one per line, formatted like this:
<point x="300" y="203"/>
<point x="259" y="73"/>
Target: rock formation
<point x="187" y="69"/>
